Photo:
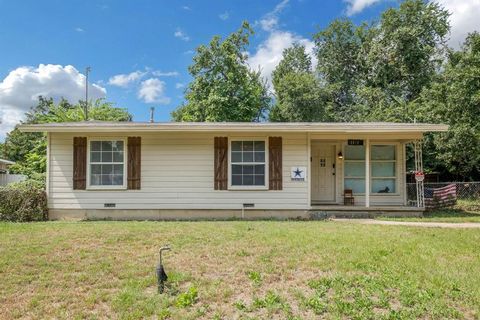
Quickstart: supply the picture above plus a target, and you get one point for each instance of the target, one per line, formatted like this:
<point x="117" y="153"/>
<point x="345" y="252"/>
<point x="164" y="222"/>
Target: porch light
<point x="340" y="155"/>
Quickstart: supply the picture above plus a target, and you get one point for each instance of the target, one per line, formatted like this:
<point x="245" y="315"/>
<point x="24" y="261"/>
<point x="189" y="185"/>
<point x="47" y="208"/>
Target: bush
<point x="23" y="201"/>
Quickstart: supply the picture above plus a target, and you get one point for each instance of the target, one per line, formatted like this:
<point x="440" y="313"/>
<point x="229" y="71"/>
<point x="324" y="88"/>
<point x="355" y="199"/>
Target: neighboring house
<point x="5" y="176"/>
<point x="128" y="170"/>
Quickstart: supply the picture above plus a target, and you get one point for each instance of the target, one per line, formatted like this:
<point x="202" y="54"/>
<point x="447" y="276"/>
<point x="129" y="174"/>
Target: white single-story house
<point x="132" y="170"/>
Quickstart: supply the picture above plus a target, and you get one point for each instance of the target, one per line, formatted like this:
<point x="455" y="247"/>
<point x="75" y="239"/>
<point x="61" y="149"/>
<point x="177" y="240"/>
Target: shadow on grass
<point x="463" y="211"/>
<point x="451" y="213"/>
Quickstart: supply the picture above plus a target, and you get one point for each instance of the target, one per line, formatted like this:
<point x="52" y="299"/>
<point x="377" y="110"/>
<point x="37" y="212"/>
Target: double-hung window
<point x="383" y="166"/>
<point x="248" y="164"/>
<point x="354" y="168"/>
<point x="107" y="163"/>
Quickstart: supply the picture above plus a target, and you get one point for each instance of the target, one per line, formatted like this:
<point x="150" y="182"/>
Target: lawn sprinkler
<point x="161" y="275"/>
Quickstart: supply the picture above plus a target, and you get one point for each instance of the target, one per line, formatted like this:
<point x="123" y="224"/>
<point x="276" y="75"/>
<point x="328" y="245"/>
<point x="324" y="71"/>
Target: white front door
<point x="323" y="172"/>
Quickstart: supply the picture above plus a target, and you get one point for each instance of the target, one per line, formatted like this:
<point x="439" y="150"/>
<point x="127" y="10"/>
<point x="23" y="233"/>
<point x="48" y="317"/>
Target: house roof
<point x="6" y="161"/>
<point x="326" y="127"/>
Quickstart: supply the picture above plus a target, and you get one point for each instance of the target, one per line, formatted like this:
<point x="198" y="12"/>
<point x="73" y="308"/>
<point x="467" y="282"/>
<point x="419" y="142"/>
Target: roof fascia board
<point x="177" y="127"/>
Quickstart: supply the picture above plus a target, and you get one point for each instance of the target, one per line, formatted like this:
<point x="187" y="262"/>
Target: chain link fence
<point x="468" y="193"/>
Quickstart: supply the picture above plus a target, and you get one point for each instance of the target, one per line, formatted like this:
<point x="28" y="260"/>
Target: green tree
<point x="223" y="86"/>
<point x="454" y="99"/>
<point x="408" y="48"/>
<point x="374" y="72"/>
<point x="340" y="50"/>
<point x="404" y="56"/>
<point x="299" y="96"/>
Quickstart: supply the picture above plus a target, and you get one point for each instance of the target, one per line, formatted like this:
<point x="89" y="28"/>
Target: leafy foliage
<point x="340" y="50"/>
<point x="406" y="48"/>
<point x="455" y="99"/>
<point x="299" y="96"/>
<point x="23" y="201"/>
<point x="374" y="72"/>
<point x="188" y="298"/>
<point x="223" y="86"/>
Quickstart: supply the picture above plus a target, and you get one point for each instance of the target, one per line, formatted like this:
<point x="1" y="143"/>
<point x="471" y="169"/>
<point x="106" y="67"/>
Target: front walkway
<point x="462" y="225"/>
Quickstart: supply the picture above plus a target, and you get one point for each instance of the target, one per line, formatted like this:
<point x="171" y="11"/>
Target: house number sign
<point x="354" y="142"/>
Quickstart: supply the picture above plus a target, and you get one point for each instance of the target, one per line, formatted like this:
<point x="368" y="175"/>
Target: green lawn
<point x="464" y="211"/>
<point x="225" y="270"/>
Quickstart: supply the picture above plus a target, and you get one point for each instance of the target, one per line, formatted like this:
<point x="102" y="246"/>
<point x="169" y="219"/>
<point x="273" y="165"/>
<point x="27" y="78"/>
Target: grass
<point x="235" y="269"/>
<point x="463" y="211"/>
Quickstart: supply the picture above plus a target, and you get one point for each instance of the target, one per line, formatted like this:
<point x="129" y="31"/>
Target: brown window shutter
<point x="275" y="163"/>
<point x="221" y="163"/>
<point x="79" y="163"/>
<point x="134" y="164"/>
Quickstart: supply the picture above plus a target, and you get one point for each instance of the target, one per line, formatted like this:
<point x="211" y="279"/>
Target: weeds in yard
<point x="271" y="301"/>
<point x="255" y="277"/>
<point x="187" y="298"/>
<point x="316" y="303"/>
<point x="240" y="305"/>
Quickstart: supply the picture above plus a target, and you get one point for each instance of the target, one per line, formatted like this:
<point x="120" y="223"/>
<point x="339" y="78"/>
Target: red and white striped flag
<point x="441" y="197"/>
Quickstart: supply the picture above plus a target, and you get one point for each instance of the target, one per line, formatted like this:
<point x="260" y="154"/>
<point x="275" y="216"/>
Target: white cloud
<point x="78" y="29"/>
<point x="189" y="52"/>
<point x="270" y="21"/>
<point x="181" y="35"/>
<point x="153" y="91"/>
<point x="124" y="80"/>
<point x="179" y="85"/>
<point x="357" y="6"/>
<point x="20" y="89"/>
<point x="224" y="16"/>
<point x="159" y="73"/>
<point x="464" y="19"/>
<point x="269" y="52"/>
<point x="186" y="8"/>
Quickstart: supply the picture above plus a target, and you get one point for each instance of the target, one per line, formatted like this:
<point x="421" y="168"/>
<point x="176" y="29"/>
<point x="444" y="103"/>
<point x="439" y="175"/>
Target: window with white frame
<point x="107" y="163"/>
<point x="383" y="168"/>
<point x="354" y="168"/>
<point x="247" y="161"/>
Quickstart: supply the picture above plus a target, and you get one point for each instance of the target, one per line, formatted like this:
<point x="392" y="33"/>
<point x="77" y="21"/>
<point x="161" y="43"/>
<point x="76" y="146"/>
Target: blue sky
<point x="139" y="51"/>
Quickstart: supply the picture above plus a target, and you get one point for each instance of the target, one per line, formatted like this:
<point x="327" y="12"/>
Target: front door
<point x="323" y="172"/>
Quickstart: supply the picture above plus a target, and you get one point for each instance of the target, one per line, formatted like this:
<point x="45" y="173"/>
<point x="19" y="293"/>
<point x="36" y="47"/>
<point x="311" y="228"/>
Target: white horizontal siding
<point x="177" y="173"/>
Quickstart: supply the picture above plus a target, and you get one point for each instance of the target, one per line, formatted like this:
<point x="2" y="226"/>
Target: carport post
<point x="417" y="144"/>
<point x="367" y="173"/>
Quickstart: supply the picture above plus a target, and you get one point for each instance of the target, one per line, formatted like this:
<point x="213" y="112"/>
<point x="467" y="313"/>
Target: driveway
<point x="463" y="225"/>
